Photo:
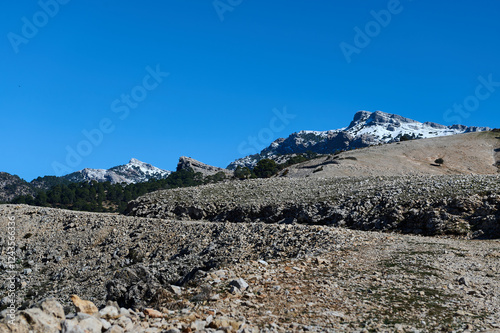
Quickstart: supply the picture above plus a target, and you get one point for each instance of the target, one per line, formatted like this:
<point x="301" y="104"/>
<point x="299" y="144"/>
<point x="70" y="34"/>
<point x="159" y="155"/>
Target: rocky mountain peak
<point x="186" y="163"/>
<point x="135" y="161"/>
<point x="366" y="129"/>
<point x="134" y="171"/>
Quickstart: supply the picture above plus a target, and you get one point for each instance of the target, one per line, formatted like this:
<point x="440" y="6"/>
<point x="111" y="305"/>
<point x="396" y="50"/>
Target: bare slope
<point x="314" y="278"/>
<point x="463" y="154"/>
<point x="445" y="204"/>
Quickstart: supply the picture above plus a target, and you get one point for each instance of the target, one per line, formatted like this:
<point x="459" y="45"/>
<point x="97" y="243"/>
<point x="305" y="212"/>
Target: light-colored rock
<point x="109" y="312"/>
<point x="239" y="283"/>
<point x="152" y="313"/>
<point x="52" y="307"/>
<point x="71" y="326"/>
<point x="91" y="324"/>
<point x="176" y="290"/>
<point x="31" y="320"/>
<point x="105" y="324"/>
<point x="83" y="306"/>
<point x="115" y="329"/>
<point x="125" y="322"/>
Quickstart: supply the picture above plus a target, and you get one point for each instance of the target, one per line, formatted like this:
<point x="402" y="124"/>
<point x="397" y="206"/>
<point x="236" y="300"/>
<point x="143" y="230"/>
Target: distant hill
<point x="12" y="186"/>
<point x="135" y="171"/>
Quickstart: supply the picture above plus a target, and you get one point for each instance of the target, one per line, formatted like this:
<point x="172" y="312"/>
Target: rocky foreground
<point x="159" y="275"/>
<point x="466" y="206"/>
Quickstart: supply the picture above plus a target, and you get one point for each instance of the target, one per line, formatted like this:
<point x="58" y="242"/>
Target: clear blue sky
<point x="228" y="68"/>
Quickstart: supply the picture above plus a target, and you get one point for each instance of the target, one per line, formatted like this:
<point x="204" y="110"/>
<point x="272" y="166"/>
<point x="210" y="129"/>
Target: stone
<point x="198" y="325"/>
<point x="52" y="307"/>
<point x="464" y="281"/>
<point x="91" y="324"/>
<point x="125" y="322"/>
<point x="109" y="312"/>
<point x="105" y="324"/>
<point x="115" y="329"/>
<point x="71" y="326"/>
<point x="38" y="320"/>
<point x="152" y="313"/>
<point x="124" y="312"/>
<point x="173" y="330"/>
<point x="239" y="283"/>
<point x="320" y="261"/>
<point x="83" y="306"/>
<point x="175" y="289"/>
<point x="219" y="322"/>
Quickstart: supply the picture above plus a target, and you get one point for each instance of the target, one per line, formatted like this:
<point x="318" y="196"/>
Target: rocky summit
<point x="134" y="171"/>
<point x="366" y="129"/>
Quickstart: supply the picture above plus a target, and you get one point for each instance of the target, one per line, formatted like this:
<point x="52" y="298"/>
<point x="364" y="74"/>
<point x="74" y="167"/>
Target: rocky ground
<point x="215" y="276"/>
<point x="466" y="206"/>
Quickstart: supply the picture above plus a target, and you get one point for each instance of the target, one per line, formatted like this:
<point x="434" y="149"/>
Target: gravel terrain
<point x="466" y="206"/>
<point x="245" y="277"/>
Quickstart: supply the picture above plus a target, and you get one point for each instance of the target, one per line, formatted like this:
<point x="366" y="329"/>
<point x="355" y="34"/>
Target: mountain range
<point x="366" y="129"/>
<point x="134" y="171"/>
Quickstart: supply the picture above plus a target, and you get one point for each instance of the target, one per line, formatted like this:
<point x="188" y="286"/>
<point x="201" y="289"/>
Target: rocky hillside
<point x="366" y="129"/>
<point x="12" y="186"/>
<point x="466" y="206"/>
<point x="159" y="275"/>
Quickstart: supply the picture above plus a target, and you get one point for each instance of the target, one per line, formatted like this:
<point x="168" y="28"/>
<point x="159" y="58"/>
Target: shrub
<point x="242" y="172"/>
<point x="265" y="168"/>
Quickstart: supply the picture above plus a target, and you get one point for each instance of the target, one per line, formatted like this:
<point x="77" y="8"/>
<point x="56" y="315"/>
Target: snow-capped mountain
<point x="134" y="171"/>
<point x="366" y="129"/>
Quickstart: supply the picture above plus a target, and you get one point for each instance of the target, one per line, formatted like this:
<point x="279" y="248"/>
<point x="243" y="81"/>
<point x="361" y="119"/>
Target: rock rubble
<point x="162" y="275"/>
<point x="466" y="206"/>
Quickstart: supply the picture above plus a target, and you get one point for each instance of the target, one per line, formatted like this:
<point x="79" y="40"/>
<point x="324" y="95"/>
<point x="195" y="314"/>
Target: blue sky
<point x="215" y="80"/>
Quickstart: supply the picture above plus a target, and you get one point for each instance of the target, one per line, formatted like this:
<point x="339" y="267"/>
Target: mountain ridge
<point x="366" y="129"/>
<point x="134" y="171"/>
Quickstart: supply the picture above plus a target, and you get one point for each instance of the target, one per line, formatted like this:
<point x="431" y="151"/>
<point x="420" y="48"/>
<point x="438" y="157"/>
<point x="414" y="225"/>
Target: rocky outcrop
<point x="467" y="206"/>
<point x="188" y="163"/>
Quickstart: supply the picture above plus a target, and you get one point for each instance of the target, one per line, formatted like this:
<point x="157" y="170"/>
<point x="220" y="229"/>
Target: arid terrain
<point x="300" y="277"/>
<point x="362" y="245"/>
<point x="463" y="154"/>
